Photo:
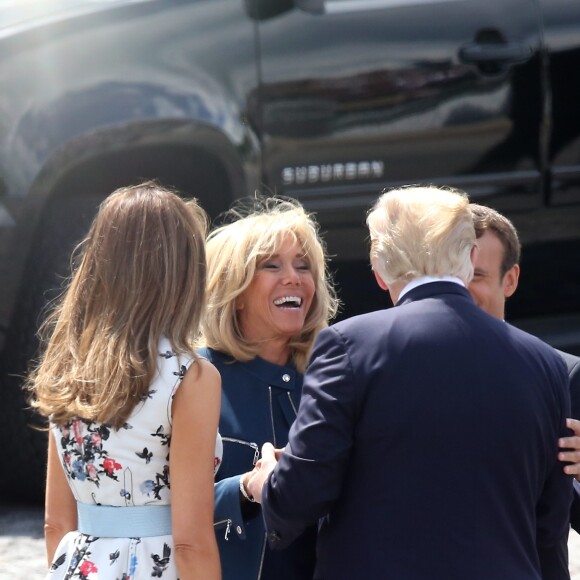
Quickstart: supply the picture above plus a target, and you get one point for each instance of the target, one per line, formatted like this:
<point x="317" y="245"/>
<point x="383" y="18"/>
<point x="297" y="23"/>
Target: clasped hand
<point x="571" y="449"/>
<point x="262" y="470"/>
<point x="254" y="482"/>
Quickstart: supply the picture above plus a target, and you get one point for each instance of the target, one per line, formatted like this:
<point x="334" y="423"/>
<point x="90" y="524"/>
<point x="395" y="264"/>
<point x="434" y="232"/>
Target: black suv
<point x="327" y="101"/>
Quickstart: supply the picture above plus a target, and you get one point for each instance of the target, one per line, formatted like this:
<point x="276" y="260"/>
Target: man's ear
<point x="382" y="284"/>
<point x="473" y="253"/>
<point x="510" y="280"/>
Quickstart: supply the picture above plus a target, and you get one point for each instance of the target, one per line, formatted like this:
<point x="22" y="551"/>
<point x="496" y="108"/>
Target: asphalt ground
<point x="22" y="555"/>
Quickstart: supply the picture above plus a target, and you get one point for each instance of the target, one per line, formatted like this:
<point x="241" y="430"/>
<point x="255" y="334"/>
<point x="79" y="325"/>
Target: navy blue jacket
<point x="427" y="441"/>
<point x="259" y="403"/>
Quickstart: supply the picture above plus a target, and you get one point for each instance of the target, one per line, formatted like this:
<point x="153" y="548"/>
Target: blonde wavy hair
<point x="233" y="252"/>
<point x="141" y="275"/>
<point x="421" y="231"/>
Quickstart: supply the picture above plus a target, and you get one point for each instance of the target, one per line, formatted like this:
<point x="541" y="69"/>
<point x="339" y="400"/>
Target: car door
<point x="358" y="95"/>
<point x="562" y="39"/>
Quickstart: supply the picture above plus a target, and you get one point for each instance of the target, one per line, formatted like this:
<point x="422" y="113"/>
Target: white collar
<point x="427" y="280"/>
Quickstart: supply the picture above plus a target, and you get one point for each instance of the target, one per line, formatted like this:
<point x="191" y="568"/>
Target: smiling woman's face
<point x="275" y="304"/>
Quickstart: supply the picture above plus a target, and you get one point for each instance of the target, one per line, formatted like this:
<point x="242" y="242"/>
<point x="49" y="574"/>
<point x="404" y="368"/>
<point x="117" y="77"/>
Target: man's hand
<point x="572" y="446"/>
<point x="262" y="471"/>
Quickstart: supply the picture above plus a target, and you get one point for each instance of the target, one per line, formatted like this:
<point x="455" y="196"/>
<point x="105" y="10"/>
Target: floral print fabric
<point x="125" y="467"/>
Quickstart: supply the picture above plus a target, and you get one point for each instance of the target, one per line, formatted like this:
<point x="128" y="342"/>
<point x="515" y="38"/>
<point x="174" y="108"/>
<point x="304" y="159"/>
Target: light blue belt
<point x="106" y="521"/>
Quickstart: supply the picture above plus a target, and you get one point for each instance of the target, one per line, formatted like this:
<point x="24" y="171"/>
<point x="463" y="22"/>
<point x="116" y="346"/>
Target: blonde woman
<point x="268" y="297"/>
<point x="129" y="403"/>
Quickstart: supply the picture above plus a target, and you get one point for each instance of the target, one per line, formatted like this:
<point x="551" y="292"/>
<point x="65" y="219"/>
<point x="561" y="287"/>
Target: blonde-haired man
<point x="411" y="443"/>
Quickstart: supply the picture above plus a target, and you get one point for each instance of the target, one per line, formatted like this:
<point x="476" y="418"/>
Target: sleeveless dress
<point x="128" y="467"/>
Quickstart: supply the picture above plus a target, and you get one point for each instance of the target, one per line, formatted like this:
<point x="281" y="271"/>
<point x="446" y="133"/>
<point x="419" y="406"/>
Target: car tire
<point x="23" y="433"/>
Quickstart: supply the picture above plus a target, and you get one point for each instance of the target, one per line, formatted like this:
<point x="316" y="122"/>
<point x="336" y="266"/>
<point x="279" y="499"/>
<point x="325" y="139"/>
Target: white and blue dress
<point x="126" y="468"/>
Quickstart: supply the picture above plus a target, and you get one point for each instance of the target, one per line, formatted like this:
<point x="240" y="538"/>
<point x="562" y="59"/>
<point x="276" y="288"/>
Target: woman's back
<point x="122" y="468"/>
<point x="128" y="467"/>
<point x="108" y="382"/>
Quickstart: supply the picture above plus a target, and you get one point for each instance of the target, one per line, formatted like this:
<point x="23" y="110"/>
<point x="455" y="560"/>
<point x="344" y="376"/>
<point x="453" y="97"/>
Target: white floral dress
<point x="128" y="467"/>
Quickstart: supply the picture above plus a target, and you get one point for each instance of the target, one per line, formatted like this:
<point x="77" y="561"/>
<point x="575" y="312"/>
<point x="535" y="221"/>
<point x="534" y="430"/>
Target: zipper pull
<point x="228" y="527"/>
<point x="256" y="455"/>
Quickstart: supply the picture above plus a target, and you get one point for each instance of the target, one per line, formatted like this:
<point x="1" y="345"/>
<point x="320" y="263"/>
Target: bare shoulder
<point x="200" y="389"/>
<point x="207" y="371"/>
<point x="202" y="374"/>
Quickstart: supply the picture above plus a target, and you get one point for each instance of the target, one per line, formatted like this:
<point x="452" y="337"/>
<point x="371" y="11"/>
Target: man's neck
<point x="426" y="280"/>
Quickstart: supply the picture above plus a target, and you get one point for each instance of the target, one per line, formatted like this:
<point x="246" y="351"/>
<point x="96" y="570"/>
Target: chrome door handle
<point x="495" y="52"/>
<point x="311" y="6"/>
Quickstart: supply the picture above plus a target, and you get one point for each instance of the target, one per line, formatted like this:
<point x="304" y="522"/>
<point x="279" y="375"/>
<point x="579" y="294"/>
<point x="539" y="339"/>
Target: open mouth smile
<point x="288" y="302"/>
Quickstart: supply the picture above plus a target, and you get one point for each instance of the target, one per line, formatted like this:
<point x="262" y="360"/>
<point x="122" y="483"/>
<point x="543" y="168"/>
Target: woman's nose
<point x="291" y="275"/>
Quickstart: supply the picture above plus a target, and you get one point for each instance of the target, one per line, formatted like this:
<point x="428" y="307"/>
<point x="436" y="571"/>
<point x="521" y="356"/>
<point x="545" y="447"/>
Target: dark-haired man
<point x="495" y="279"/>
<point x="496" y="275"/>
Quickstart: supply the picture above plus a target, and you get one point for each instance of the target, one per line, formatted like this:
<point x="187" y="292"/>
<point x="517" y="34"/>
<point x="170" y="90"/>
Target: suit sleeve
<point x="575" y="508"/>
<point x="574" y="374"/>
<point x="308" y="478"/>
<point x="554" y="504"/>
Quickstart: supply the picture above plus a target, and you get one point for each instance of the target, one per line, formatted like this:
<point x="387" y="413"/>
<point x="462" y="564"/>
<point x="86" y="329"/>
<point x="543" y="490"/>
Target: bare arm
<point x="60" y="513"/>
<point x="196" y="408"/>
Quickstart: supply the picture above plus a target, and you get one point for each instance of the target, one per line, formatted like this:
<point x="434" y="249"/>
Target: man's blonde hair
<point x="421" y="231"/>
<point x="233" y="252"/>
<point x="141" y="275"/>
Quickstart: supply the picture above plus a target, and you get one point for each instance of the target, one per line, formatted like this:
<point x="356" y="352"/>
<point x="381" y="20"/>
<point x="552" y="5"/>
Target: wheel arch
<point x="197" y="161"/>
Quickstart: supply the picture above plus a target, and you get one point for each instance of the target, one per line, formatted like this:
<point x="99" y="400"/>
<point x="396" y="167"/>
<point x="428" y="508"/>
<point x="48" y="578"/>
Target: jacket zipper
<point x="292" y="403"/>
<point x="272" y="418"/>
<point x="254" y="446"/>
<point x="228" y="523"/>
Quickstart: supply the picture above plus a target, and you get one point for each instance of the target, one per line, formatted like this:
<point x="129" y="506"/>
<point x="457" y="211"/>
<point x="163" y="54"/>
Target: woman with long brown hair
<point x="133" y="411"/>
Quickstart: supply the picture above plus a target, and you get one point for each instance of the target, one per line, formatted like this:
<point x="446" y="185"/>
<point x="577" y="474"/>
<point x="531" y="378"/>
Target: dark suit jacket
<point x="426" y="441"/>
<point x="573" y="364"/>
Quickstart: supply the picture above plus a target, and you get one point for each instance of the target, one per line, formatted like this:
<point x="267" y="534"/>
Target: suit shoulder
<point x="572" y="362"/>
<point x="533" y="342"/>
<point x="573" y="367"/>
<point x="359" y="333"/>
<point x="537" y="350"/>
<point x="361" y="321"/>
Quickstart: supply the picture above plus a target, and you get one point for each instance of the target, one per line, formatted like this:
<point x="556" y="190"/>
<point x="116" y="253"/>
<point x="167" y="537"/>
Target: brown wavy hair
<point x="141" y="275"/>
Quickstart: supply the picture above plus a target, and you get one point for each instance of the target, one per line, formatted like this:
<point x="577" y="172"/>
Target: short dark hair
<point x="486" y="218"/>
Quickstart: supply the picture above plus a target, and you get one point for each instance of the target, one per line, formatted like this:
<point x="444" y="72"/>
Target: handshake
<point x="252" y="482"/>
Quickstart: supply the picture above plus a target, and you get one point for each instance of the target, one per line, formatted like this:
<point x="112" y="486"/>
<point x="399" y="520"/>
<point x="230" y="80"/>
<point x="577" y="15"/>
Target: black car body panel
<point x="327" y="101"/>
